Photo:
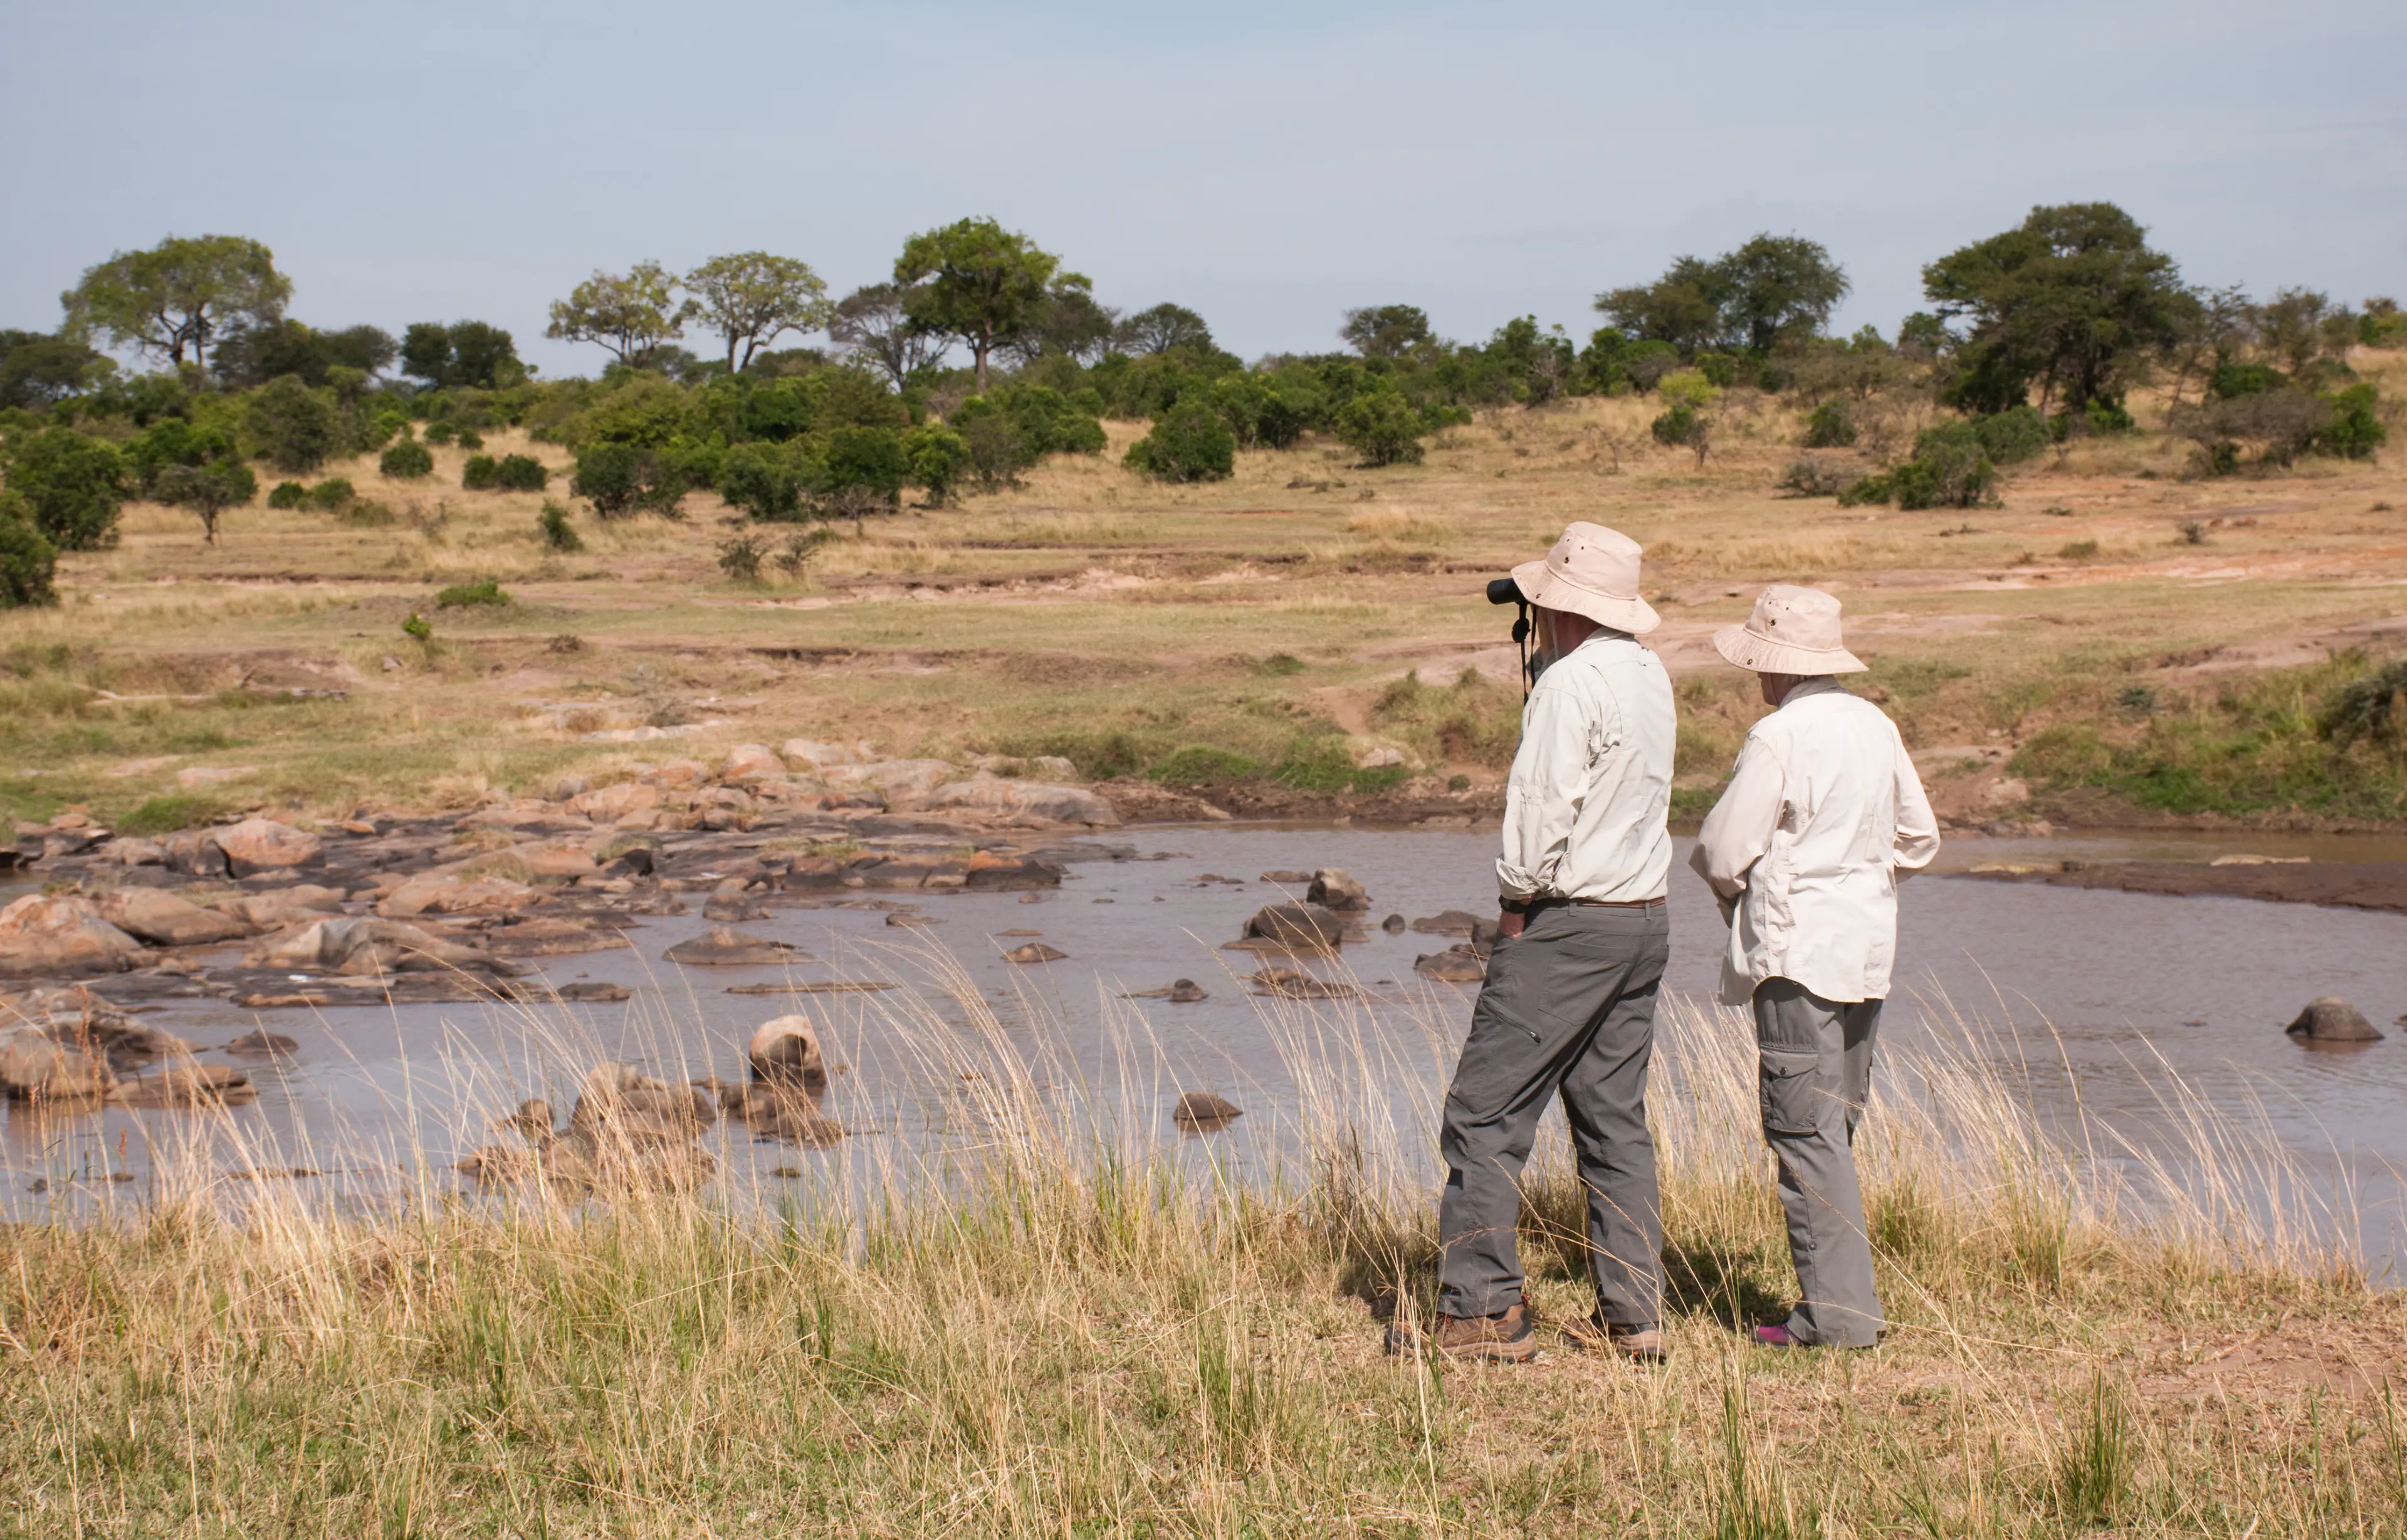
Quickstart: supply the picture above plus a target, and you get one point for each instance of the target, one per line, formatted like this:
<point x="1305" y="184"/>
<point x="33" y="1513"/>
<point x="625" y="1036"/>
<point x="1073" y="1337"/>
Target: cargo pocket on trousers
<point x="1792" y="1094"/>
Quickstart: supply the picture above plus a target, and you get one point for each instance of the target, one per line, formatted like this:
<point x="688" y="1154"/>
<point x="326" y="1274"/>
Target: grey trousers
<point x="1816" y="1076"/>
<point x="1568" y="1007"/>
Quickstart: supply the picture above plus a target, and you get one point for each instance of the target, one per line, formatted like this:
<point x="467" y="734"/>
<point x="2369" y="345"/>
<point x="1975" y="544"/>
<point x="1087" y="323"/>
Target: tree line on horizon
<point x="2033" y="335"/>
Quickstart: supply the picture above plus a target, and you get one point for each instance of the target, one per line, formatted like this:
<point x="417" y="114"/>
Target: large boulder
<point x="62" y="935"/>
<point x="35" y="1068"/>
<point x="903" y="783"/>
<point x="1333" y="889"/>
<point x="752" y="762"/>
<point x="1455" y="965"/>
<point x="1304" y="927"/>
<point x="807" y="754"/>
<point x="186" y="1086"/>
<point x="1204" y="1112"/>
<point x="557" y="861"/>
<point x="609" y="804"/>
<point x="1022" y="801"/>
<point x="165" y="920"/>
<point x="298" y="904"/>
<point x="260" y="845"/>
<point x="786" y="1051"/>
<point x="2330" y="1019"/>
<point x="728" y="948"/>
<point x="638" y="1105"/>
<point x="445" y="892"/>
<point x="361" y="946"/>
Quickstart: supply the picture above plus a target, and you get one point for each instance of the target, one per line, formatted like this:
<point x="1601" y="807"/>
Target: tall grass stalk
<point x="1010" y="1303"/>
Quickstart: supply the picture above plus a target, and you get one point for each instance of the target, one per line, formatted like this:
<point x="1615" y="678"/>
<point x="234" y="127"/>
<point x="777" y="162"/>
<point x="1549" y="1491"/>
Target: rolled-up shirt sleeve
<point x="1917" y="828"/>
<point x="1543" y="795"/>
<point x="1739" y="829"/>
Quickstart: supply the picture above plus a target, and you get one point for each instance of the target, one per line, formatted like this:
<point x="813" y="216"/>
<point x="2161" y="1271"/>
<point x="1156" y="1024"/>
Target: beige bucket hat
<point x="1793" y="631"/>
<point x="1593" y="571"/>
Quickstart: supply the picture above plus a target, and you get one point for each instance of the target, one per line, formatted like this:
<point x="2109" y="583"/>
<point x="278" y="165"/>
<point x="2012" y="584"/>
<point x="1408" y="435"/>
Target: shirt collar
<point x="1818" y="684"/>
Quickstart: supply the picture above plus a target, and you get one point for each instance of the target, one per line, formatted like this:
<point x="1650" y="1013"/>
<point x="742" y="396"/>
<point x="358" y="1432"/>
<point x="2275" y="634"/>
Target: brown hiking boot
<point x="1638" y="1343"/>
<point x="1507" y="1338"/>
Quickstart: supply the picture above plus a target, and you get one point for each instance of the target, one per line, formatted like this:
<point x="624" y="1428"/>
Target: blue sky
<point x="1267" y="164"/>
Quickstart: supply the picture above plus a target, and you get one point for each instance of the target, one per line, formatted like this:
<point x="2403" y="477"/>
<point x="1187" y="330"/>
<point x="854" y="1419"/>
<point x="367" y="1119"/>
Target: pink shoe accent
<point x="1777" y="1336"/>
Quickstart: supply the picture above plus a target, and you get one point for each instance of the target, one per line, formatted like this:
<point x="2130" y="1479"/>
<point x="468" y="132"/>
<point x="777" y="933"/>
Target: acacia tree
<point x="1386" y="331"/>
<point x="2073" y="298"/>
<point x="1774" y="289"/>
<point x="754" y="298"/>
<point x="874" y="322"/>
<point x="463" y="353"/>
<point x="976" y="281"/>
<point x="1160" y="329"/>
<point x="631" y="314"/>
<point x="172" y="299"/>
<point x="1066" y="323"/>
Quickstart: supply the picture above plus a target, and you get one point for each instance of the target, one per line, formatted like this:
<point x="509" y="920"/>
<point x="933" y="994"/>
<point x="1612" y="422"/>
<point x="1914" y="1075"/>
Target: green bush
<point x="1830" y="426"/>
<point x="295" y="427"/>
<point x="2354" y="430"/>
<point x="442" y="431"/>
<point x="1675" y="426"/>
<point x="407" y="460"/>
<point x="471" y="439"/>
<point x="332" y="495"/>
<point x="482" y="473"/>
<point x="2373" y="708"/>
<point x="558" y="533"/>
<point x="2231" y="382"/>
<point x="938" y="458"/>
<point x="763" y="479"/>
<point x="740" y="558"/>
<point x="864" y="466"/>
<point x="521" y="473"/>
<point x="485" y="590"/>
<point x="1321" y="764"/>
<point x="2008" y="438"/>
<point x="622" y="479"/>
<point x="1948" y="474"/>
<point x="73" y="485"/>
<point x="1720" y="369"/>
<point x="1189" y="444"/>
<point x="27" y="559"/>
<point x="286" y="495"/>
<point x="1382" y="428"/>
<point x="1201" y="765"/>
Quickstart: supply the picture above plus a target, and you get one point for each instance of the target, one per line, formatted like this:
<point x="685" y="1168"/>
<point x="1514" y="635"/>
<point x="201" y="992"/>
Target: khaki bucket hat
<point x="1593" y="571"/>
<point x="1793" y="631"/>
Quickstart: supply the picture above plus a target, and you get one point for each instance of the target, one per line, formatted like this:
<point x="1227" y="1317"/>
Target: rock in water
<point x="165" y="920"/>
<point x="186" y="1086"/>
<point x="1455" y="965"/>
<point x="61" y="934"/>
<point x="260" y="845"/>
<point x="1289" y="983"/>
<point x="1393" y="924"/>
<point x="731" y="949"/>
<point x="1184" y="992"/>
<point x="1201" y="1112"/>
<point x="35" y="1068"/>
<point x="263" y="1041"/>
<point x="1034" y="951"/>
<point x="1336" y="890"/>
<point x="2330" y="1019"/>
<point x="1450" y="922"/>
<point x="786" y="1051"/>
<point x="1286" y="878"/>
<point x="639" y="1105"/>
<point x="595" y="993"/>
<point x="1303" y="927"/>
<point x="728" y="903"/>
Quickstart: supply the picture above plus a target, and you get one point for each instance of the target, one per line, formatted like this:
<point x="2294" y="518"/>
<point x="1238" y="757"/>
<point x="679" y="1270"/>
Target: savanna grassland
<point x="2144" y="643"/>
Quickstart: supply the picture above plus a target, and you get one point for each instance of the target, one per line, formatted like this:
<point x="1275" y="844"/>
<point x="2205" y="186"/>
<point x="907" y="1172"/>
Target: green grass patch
<point x="1474" y="720"/>
<point x="1202" y="764"/>
<point x="460" y="596"/>
<point x="166" y="815"/>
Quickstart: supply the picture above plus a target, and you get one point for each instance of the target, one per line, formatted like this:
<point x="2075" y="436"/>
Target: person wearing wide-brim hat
<point x="1823" y="815"/>
<point x="1568" y="1007"/>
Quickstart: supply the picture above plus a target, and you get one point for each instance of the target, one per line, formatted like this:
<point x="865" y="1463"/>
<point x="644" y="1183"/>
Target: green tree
<point x="1066" y="323"/>
<point x="27" y="561"/>
<point x="1382" y="427"/>
<point x="252" y="355"/>
<point x="1683" y="308"/>
<point x="751" y="298"/>
<point x="631" y="314"/>
<point x="470" y="353"/>
<point x="38" y="369"/>
<point x="873" y="324"/>
<point x="976" y="281"/>
<point x="2073" y="298"/>
<point x="864" y="472"/>
<point x="1161" y="328"/>
<point x="1189" y="443"/>
<point x="172" y="299"/>
<point x="71" y="485"/>
<point x="295" y="427"/>
<point x="1386" y="331"/>
<point x="209" y="488"/>
<point x="1778" y="289"/>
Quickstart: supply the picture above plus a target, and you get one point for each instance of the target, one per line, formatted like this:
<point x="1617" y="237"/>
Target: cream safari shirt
<point x="1823" y="814"/>
<point x="1585" y="807"/>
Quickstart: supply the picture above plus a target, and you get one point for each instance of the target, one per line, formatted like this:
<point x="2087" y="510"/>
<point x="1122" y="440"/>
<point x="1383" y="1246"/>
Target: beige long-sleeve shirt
<point x="1823" y="815"/>
<point x="1585" y="806"/>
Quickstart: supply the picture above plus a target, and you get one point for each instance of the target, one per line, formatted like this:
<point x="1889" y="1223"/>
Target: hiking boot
<point x="1642" y="1344"/>
<point x="1508" y="1338"/>
<point x="1781" y="1337"/>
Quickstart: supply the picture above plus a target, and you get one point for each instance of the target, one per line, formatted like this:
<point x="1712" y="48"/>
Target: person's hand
<point x="1509" y="923"/>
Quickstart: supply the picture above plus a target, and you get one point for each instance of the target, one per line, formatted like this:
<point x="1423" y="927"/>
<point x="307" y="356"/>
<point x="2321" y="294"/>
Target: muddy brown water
<point x="2089" y="999"/>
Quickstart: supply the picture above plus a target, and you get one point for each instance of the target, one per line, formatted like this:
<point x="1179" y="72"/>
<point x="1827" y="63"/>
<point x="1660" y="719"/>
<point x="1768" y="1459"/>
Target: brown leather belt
<point x="1597" y="903"/>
